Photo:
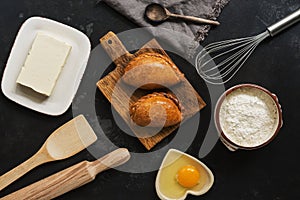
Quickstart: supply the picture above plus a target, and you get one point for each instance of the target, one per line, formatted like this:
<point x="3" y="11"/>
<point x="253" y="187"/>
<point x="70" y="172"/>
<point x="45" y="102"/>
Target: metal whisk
<point x="218" y="62"/>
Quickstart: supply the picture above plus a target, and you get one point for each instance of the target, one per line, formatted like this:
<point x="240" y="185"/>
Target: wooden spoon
<point x="64" y="142"/>
<point x="157" y="13"/>
<point x="70" y="178"/>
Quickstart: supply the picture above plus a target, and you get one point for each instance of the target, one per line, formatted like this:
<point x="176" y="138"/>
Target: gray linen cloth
<point x="210" y="9"/>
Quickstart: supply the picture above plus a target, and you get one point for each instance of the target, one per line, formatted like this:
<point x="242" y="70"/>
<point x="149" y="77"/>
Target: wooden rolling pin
<point x="70" y="178"/>
<point x="64" y="142"/>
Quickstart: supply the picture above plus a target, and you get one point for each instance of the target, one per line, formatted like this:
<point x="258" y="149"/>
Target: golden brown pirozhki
<point x="164" y="109"/>
<point x="151" y="71"/>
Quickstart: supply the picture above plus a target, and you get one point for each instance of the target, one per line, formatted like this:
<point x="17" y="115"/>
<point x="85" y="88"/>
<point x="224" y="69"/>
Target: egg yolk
<point x="188" y="176"/>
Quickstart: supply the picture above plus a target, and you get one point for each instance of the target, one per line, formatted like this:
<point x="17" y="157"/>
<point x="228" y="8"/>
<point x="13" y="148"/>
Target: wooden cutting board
<point x="108" y="85"/>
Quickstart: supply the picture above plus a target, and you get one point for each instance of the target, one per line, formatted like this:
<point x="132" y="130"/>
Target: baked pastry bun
<point x="158" y="109"/>
<point x="151" y="71"/>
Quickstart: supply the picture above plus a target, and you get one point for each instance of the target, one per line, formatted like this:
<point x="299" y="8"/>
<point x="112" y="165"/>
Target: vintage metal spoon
<point x="157" y="13"/>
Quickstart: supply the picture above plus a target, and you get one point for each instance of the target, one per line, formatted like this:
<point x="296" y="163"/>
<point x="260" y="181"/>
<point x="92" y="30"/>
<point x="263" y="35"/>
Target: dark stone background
<point x="269" y="173"/>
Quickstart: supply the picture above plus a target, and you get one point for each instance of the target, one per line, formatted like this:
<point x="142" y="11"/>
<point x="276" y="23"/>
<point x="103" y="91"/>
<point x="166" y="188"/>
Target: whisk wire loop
<point x="236" y="53"/>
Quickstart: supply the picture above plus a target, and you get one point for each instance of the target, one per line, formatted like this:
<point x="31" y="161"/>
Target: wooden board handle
<point x="14" y="174"/>
<point x="115" y="49"/>
<point x="70" y="178"/>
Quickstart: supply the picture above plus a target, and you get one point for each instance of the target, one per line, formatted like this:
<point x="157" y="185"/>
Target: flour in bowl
<point x="248" y="117"/>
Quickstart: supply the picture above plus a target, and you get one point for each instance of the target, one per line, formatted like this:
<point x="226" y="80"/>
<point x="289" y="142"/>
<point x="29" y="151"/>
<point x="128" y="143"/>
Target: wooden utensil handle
<point x="195" y="19"/>
<point x="70" y="178"/>
<point x="14" y="174"/>
<point x="113" y="159"/>
<point x="115" y="49"/>
<point x="56" y="184"/>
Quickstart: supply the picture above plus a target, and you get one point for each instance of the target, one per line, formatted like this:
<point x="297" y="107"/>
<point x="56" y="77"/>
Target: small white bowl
<point x="69" y="78"/>
<point x="172" y="156"/>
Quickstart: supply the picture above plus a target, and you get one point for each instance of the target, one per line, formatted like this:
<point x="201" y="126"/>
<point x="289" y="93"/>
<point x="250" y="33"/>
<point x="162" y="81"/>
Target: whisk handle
<point x="284" y="23"/>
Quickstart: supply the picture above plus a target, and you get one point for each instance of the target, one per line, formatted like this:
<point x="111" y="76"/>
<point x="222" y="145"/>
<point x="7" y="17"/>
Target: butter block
<point x="43" y="64"/>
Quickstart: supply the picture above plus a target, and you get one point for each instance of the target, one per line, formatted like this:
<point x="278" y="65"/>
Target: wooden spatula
<point x="70" y="178"/>
<point x="64" y="142"/>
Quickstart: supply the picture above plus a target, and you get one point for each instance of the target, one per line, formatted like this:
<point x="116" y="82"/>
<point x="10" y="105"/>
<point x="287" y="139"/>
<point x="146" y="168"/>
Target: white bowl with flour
<point x="247" y="116"/>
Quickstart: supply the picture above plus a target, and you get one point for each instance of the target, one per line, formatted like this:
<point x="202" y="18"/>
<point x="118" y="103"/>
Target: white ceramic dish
<point x="170" y="158"/>
<point x="71" y="74"/>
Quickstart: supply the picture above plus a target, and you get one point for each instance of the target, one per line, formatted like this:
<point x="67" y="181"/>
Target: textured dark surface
<point x="269" y="173"/>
